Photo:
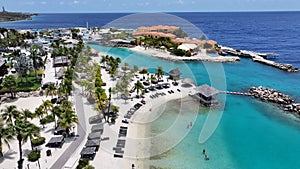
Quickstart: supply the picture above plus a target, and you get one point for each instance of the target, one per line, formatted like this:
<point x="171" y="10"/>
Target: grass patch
<point x="33" y="83"/>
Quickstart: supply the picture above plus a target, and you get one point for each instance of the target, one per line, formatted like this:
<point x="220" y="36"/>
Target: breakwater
<point x="257" y="57"/>
<point x="271" y="95"/>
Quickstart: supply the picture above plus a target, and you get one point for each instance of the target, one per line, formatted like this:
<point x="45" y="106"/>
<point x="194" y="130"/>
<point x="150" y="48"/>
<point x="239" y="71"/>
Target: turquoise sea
<point x="251" y="134"/>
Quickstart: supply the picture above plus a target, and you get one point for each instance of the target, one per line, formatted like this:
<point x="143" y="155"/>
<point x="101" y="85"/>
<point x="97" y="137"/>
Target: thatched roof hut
<point x="175" y="74"/>
<point x="206" y="90"/>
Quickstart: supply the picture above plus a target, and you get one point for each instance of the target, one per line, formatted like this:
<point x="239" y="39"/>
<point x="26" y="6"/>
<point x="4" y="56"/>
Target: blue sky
<point x="46" y="6"/>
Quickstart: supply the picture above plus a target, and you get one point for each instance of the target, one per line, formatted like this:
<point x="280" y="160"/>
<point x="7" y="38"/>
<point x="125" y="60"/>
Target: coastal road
<point x="81" y="132"/>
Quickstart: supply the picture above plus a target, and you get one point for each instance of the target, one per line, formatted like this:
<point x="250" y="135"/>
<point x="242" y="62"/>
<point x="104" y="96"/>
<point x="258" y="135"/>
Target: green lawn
<point x="33" y="83"/>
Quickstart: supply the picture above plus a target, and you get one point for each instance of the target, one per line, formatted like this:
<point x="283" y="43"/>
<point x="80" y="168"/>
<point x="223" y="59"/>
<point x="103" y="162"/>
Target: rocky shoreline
<point x="282" y="100"/>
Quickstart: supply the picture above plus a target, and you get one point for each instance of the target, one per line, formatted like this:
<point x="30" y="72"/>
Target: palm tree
<point x="24" y="130"/>
<point x="104" y="60"/>
<point x="25" y="114"/>
<point x="143" y="72"/>
<point x="47" y="105"/>
<point x="135" y="68"/>
<point x="126" y="67"/>
<point x="159" y="72"/>
<point x="109" y="100"/>
<point x="51" y="90"/>
<point x="56" y="113"/>
<point x="66" y="87"/>
<point x="6" y="135"/>
<point x="39" y="112"/>
<point x="138" y="86"/>
<point x="83" y="84"/>
<point x="153" y="79"/>
<point x="66" y="105"/>
<point x="100" y="94"/>
<point x="10" y="114"/>
<point x="68" y="118"/>
<point x="10" y="83"/>
<point x="36" y="59"/>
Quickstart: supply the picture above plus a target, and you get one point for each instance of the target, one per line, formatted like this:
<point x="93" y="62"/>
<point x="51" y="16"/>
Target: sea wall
<point x="257" y="57"/>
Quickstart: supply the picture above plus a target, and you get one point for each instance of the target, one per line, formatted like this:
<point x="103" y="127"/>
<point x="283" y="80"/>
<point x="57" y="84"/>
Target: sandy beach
<point x="137" y="147"/>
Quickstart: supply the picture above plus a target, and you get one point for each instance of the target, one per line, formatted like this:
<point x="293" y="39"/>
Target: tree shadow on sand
<point x="10" y="154"/>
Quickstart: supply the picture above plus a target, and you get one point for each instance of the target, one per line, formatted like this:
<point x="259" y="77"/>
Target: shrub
<point x="34" y="155"/>
<point x="38" y="141"/>
<point x="82" y="163"/>
<point x="178" y="52"/>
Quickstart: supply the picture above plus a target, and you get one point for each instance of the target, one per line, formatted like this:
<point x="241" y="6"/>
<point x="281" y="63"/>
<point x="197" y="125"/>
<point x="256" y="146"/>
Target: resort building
<point x="189" y="47"/>
<point x="205" y="94"/>
<point x="158" y="28"/>
<point x="154" y="34"/>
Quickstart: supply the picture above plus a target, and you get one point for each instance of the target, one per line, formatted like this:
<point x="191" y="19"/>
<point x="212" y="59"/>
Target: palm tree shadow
<point x="10" y="154"/>
<point x="26" y="152"/>
<point x="50" y="130"/>
<point x="11" y="100"/>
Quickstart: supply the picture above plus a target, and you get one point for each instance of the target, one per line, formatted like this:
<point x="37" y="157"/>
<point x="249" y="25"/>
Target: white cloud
<point x="43" y="2"/>
<point x="76" y="2"/>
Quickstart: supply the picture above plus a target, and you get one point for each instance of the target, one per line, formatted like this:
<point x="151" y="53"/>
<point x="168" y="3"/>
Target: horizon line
<point x="133" y="12"/>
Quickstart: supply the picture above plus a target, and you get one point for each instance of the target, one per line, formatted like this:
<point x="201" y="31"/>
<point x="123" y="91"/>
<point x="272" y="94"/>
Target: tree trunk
<point x="19" y="137"/>
<point x="31" y="144"/>
<point x="20" y="162"/>
<point x="1" y="153"/>
<point x="36" y="76"/>
<point x="11" y="93"/>
<point x="38" y="161"/>
<point x="26" y="80"/>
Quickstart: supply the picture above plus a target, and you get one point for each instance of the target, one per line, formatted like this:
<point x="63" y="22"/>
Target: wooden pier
<point x="235" y="93"/>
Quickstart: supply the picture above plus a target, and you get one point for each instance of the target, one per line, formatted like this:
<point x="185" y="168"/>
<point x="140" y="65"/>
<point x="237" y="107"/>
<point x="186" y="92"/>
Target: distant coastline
<point x="15" y="16"/>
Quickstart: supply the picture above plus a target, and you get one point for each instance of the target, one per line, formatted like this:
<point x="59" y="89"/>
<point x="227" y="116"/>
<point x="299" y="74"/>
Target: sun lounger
<point x="120" y="151"/>
<point x="117" y="148"/>
<point x="125" y="121"/>
<point x="105" y="138"/>
<point x="118" y="156"/>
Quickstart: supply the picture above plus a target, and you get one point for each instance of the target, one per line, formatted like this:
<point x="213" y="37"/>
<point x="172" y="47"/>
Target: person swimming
<point x="206" y="157"/>
<point x="203" y="151"/>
